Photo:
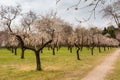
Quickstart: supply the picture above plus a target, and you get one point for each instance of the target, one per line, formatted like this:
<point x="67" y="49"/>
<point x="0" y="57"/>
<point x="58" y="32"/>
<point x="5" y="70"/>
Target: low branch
<point x="44" y="45"/>
<point x="22" y="43"/>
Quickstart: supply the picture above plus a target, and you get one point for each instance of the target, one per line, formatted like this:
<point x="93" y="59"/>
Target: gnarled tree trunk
<point x="77" y="52"/>
<point x="38" y="62"/>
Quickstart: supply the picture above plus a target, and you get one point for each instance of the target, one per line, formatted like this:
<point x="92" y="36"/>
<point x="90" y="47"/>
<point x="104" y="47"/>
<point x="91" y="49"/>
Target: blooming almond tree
<point x="80" y="39"/>
<point x="36" y="48"/>
<point x="61" y="29"/>
<point x="92" y="38"/>
<point x="8" y="14"/>
<point x="27" y="22"/>
<point x="12" y="42"/>
<point x="37" y="38"/>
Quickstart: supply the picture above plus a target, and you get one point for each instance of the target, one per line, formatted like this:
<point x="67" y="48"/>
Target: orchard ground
<point x="62" y="66"/>
<point x="114" y="74"/>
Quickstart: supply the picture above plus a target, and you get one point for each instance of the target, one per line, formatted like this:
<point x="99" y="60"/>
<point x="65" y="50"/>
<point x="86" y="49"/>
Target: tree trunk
<point x="78" y="57"/>
<point x="15" y="51"/>
<point x="99" y="49"/>
<point x="92" y="50"/>
<point x="22" y="54"/>
<point x="38" y="62"/>
<point x="57" y="48"/>
<point x="104" y="48"/>
<point x="70" y="49"/>
<point x="9" y="27"/>
<point x="53" y="49"/>
<point x="12" y="49"/>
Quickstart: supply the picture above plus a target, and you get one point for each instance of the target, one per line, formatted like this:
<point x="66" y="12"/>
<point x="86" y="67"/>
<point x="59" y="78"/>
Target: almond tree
<point x="12" y="42"/>
<point x="66" y="33"/>
<point x="31" y="42"/>
<point x="98" y="41"/>
<point x="27" y="21"/>
<point x="7" y="15"/>
<point x="80" y="39"/>
<point x="37" y="38"/>
<point x="61" y="29"/>
<point x="34" y="40"/>
<point x="92" y="38"/>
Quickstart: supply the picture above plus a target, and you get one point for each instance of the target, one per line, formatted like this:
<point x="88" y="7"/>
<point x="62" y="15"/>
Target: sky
<point x="46" y="6"/>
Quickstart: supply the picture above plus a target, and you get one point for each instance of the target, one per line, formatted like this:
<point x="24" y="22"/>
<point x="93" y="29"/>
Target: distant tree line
<point x="110" y="31"/>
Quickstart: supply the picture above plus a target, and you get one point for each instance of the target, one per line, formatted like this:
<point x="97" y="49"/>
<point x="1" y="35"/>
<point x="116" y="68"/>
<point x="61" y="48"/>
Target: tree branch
<point x="22" y="43"/>
<point x="44" y="45"/>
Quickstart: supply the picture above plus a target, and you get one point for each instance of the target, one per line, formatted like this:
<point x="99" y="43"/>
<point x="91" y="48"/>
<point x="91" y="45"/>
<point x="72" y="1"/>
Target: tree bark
<point x="99" y="49"/>
<point x="104" y="48"/>
<point x="12" y="49"/>
<point x="15" y="51"/>
<point x="22" y="54"/>
<point x="38" y="62"/>
<point x="53" y="49"/>
<point x="9" y="27"/>
<point x="92" y="49"/>
<point x="78" y="57"/>
<point x="70" y="49"/>
<point x="57" y="48"/>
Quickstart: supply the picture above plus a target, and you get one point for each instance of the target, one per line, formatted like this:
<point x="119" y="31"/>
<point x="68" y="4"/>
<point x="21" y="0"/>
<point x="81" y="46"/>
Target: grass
<point x="115" y="73"/>
<point x="62" y="66"/>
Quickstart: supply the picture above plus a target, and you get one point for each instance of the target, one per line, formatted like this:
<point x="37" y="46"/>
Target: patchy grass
<point x="115" y="72"/>
<point x="62" y="66"/>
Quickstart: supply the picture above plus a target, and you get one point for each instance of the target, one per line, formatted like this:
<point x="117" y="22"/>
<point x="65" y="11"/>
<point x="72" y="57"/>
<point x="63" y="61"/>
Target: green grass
<point x="62" y="66"/>
<point x="115" y="73"/>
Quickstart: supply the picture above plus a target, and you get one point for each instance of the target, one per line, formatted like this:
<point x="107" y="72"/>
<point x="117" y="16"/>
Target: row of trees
<point x="36" y="31"/>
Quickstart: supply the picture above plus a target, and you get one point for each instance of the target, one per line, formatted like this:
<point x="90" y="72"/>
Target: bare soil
<point x="100" y="71"/>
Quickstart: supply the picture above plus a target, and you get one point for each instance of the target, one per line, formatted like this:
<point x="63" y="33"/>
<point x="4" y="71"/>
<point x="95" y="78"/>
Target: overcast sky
<point x="46" y="6"/>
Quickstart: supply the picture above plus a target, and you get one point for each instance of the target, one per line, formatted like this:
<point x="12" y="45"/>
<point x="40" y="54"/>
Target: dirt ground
<point x="100" y="71"/>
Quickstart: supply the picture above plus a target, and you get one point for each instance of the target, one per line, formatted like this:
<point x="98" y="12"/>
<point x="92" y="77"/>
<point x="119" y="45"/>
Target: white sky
<point x="45" y="6"/>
